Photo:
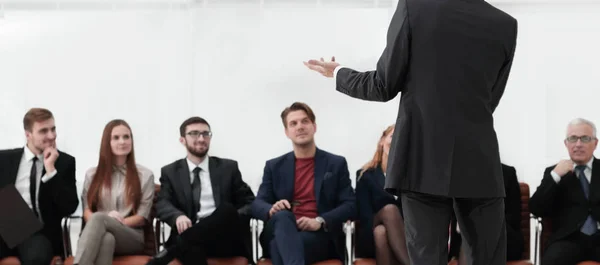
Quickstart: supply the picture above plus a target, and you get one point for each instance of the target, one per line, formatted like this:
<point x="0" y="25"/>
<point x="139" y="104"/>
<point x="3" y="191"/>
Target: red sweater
<point x="304" y="188"/>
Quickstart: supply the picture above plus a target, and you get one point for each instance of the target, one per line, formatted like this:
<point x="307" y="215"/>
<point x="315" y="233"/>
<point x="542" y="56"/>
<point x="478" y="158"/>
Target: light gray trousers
<point x="103" y="237"/>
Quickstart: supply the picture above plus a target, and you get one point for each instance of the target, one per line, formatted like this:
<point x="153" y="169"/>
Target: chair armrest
<point x="156" y="224"/>
<point x="537" y="239"/>
<point x="254" y="232"/>
<point x="259" y="228"/>
<point x="159" y="234"/>
<point x="66" y="234"/>
<point x="349" y="231"/>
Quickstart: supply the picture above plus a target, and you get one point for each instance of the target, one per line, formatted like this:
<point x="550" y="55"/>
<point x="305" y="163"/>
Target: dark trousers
<point x="283" y="243"/>
<point x="481" y="220"/>
<point x="36" y="250"/>
<point x="218" y="235"/>
<point x="572" y="250"/>
<point x="514" y="243"/>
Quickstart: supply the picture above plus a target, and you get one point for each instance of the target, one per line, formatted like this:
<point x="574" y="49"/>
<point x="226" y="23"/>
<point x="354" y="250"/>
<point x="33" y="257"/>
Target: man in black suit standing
<point x="451" y="61"/>
<point x="205" y="201"/>
<point x="569" y="196"/>
<point x="45" y="178"/>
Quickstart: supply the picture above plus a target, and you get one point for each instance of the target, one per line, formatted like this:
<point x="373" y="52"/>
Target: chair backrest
<point x="525" y="221"/>
<point x="150" y="243"/>
<point x="546" y="232"/>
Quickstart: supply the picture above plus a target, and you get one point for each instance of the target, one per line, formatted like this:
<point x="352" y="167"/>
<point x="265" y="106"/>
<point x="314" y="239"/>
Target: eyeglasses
<point x="584" y="139"/>
<point x="196" y="134"/>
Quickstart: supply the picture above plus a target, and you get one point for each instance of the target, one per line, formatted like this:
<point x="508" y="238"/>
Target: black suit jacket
<point x="512" y="212"/>
<point x="565" y="203"/>
<point x="451" y="60"/>
<point x="57" y="198"/>
<point x="175" y="196"/>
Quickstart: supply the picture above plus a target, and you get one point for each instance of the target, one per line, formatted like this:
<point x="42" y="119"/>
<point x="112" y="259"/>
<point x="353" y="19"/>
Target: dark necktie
<point x="33" y="185"/>
<point x="589" y="227"/>
<point x="196" y="189"/>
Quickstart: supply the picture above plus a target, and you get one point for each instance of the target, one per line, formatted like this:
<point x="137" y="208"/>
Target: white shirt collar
<point x="29" y="155"/>
<point x="588" y="164"/>
<point x="203" y="165"/>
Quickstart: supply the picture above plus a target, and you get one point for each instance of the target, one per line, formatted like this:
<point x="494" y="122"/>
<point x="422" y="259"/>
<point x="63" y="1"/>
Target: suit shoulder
<point x="65" y="155"/>
<point x="370" y="170"/>
<point x="224" y="161"/>
<point x="499" y="13"/>
<point x="550" y="168"/>
<point x="507" y="168"/>
<point x="8" y="152"/>
<point x="279" y="159"/>
<point x="369" y="174"/>
<point x="171" y="166"/>
<point x="334" y="157"/>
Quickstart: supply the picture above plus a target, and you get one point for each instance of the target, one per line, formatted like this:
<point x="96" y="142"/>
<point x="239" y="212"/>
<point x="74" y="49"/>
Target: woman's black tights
<point x="388" y="231"/>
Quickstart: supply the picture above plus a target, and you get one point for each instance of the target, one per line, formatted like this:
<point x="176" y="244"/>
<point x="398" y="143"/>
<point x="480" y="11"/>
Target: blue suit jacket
<point x="334" y="194"/>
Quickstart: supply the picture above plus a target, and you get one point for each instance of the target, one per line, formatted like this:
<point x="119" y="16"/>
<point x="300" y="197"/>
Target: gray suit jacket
<point x="451" y="60"/>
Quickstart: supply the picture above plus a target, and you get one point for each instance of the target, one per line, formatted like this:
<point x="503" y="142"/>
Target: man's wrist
<point x="322" y="222"/>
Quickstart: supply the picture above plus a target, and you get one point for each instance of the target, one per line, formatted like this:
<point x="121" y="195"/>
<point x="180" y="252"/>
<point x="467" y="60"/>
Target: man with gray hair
<point x="566" y="197"/>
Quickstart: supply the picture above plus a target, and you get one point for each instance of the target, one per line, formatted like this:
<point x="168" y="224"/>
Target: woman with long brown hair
<point x="381" y="233"/>
<point x="117" y="198"/>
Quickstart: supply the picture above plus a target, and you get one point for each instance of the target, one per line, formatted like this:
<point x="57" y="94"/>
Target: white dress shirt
<point x="22" y="181"/>
<point x="207" y="201"/>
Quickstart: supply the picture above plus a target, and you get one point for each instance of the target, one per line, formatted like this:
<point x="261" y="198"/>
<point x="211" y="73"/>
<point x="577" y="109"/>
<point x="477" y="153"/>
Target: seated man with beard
<point x="205" y="201"/>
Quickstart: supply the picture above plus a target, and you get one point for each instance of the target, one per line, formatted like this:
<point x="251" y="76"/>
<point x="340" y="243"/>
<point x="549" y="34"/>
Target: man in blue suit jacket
<point x="304" y="198"/>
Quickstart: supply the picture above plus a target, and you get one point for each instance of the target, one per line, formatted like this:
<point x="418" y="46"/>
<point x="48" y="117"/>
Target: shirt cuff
<point x="336" y="70"/>
<point x="555" y="176"/>
<point x="49" y="176"/>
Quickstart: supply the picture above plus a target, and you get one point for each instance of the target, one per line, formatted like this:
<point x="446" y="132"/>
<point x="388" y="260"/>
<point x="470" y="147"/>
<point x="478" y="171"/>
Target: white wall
<point x="154" y="68"/>
<point x="240" y="65"/>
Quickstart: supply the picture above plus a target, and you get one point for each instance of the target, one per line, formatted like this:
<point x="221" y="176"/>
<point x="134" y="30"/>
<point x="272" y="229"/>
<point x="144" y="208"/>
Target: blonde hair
<point x="377" y="159"/>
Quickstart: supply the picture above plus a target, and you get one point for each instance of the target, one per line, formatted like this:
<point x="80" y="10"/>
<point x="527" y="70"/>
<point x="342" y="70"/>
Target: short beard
<point x="196" y="153"/>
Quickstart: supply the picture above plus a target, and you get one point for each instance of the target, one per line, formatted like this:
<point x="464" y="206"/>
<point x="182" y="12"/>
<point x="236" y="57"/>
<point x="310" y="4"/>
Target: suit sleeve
<point x="265" y="197"/>
<point x="64" y="190"/>
<point x="512" y="199"/>
<point x="389" y="78"/>
<point x="165" y="206"/>
<point x="500" y="85"/>
<point x="542" y="201"/>
<point x="346" y="207"/>
<point x="242" y="194"/>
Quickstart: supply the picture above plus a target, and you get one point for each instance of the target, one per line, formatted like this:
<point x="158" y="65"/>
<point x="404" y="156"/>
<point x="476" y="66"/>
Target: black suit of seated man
<point x="55" y="193"/>
<point x="569" y="196"/>
<point x="512" y="212"/>
<point x="205" y="201"/>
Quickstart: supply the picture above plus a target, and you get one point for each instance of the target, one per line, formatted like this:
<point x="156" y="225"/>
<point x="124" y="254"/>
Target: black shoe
<point x="162" y="258"/>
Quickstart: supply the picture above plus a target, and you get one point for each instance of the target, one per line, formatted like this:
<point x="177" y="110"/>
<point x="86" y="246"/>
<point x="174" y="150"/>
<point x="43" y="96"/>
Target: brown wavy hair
<point x="377" y="159"/>
<point x="103" y="177"/>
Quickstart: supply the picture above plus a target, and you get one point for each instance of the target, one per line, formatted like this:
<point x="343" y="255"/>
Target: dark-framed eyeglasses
<point x="584" y="138"/>
<point x="197" y="134"/>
